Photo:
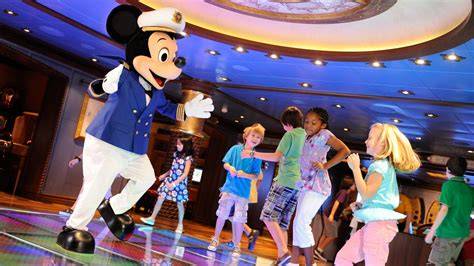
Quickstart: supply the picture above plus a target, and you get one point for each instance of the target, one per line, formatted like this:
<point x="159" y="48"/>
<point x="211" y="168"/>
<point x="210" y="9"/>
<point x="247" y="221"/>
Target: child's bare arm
<point x="342" y="152"/>
<point x="243" y="174"/>
<point x="374" y="180"/>
<point x="439" y="219"/>
<point x="230" y="169"/>
<point x="265" y="156"/>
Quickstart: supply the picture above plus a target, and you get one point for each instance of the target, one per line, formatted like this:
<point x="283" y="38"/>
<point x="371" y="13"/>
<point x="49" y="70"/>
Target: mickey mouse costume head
<point x="117" y="139"/>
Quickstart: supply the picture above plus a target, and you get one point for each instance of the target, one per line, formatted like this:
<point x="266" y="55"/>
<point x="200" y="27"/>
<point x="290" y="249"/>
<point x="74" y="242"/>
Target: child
<point x="236" y="189"/>
<point x="252" y="234"/>
<point x="379" y="192"/>
<point x="175" y="186"/>
<point x="332" y="214"/>
<point x="452" y="222"/>
<point x="281" y="199"/>
<point x="316" y="185"/>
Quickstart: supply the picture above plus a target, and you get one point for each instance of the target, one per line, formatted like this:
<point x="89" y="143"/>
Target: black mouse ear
<point x="122" y="23"/>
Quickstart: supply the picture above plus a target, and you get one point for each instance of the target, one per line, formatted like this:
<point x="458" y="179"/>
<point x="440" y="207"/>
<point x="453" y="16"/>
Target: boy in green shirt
<point x="281" y="199"/>
<point x="452" y="223"/>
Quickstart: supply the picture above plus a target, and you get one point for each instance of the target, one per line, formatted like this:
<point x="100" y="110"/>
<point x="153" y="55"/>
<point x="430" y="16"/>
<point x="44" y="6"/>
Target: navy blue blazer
<point x="125" y="120"/>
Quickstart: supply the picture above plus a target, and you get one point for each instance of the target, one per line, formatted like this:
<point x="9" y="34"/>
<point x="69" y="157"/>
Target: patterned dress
<point x="180" y="192"/>
<point x="315" y="150"/>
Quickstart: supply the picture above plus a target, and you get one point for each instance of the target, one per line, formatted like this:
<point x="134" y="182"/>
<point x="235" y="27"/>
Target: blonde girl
<point x="392" y="152"/>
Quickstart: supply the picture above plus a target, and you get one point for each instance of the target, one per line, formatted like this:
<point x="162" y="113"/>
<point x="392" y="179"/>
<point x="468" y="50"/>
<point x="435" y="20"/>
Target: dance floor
<point x="29" y="238"/>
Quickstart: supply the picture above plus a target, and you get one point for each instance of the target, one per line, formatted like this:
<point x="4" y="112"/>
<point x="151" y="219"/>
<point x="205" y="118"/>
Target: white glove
<point x="111" y="80"/>
<point x="199" y="107"/>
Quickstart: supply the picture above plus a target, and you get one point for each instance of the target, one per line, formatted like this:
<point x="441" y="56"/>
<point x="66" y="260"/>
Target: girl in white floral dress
<point x="175" y="186"/>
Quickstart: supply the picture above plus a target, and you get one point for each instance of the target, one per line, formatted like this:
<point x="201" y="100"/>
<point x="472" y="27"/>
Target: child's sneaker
<point x="213" y="245"/>
<point x="179" y="229"/>
<point x="148" y="220"/>
<point x="66" y="212"/>
<point x="253" y="239"/>
<point x="236" y="252"/>
<point x="229" y="244"/>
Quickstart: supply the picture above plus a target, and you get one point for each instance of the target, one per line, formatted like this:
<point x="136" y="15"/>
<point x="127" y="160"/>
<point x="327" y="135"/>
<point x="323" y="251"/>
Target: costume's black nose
<point x="180" y="62"/>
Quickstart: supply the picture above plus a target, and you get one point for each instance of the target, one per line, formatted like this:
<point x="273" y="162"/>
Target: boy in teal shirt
<point x="281" y="199"/>
<point x="452" y="223"/>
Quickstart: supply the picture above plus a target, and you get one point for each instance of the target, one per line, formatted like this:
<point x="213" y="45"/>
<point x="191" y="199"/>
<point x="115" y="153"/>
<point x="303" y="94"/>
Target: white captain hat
<point x="163" y="19"/>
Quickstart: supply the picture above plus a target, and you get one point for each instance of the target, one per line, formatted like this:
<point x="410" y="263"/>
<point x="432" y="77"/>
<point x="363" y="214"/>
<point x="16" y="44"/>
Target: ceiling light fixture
<point x="222" y="78"/>
<point x="242" y="117"/>
<point x="94" y="60"/>
<point x="319" y="62"/>
<point x="346" y="129"/>
<point x="10" y="12"/>
<point x="236" y="121"/>
<point x="377" y="64"/>
<point x="431" y="115"/>
<point x="263" y="99"/>
<point x="452" y="57"/>
<point x="395" y="120"/>
<point x="406" y="92"/>
<point x="274" y="56"/>
<point x="418" y="138"/>
<point x="338" y="106"/>
<point x="305" y="85"/>
<point x="240" y="49"/>
<point x="27" y="30"/>
<point x="212" y="52"/>
<point x="470" y="151"/>
<point x="421" y="61"/>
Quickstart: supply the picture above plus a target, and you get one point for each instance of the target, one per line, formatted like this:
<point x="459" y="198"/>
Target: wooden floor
<point x="264" y="247"/>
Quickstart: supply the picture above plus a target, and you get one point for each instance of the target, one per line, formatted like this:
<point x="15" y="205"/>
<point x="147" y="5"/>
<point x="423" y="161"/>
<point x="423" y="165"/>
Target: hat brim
<point x="176" y="35"/>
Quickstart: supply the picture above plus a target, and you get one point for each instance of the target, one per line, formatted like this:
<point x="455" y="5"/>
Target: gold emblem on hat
<point x="177" y="17"/>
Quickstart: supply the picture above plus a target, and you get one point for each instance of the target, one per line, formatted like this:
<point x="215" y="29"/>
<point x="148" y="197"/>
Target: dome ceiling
<point x="398" y="24"/>
<point x="307" y="11"/>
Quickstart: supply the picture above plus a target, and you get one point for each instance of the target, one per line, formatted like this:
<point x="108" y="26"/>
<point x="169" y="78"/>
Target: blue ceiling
<point x="368" y="94"/>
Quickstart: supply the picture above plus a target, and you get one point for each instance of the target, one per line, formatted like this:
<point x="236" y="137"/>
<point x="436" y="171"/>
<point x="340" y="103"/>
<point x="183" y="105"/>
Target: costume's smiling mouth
<point x="159" y="79"/>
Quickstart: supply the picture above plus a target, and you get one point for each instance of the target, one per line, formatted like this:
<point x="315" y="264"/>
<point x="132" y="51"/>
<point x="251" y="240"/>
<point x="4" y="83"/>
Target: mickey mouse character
<point x="117" y="139"/>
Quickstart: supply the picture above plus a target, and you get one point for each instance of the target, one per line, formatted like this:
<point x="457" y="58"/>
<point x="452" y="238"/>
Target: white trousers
<point x="309" y="203"/>
<point x="102" y="162"/>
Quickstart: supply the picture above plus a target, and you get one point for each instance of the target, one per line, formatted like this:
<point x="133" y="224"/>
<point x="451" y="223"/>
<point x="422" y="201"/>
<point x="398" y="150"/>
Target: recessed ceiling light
<point x="212" y="52"/>
<point x="395" y="120"/>
<point x="10" y="12"/>
<point x="274" y="56"/>
<point x="431" y="115"/>
<point x="406" y="92"/>
<point x="242" y="117"/>
<point x="421" y="61"/>
<point x="27" y="30"/>
<point x="470" y="151"/>
<point x="346" y="129"/>
<point x="338" y="106"/>
<point x="222" y="78"/>
<point x="94" y="60"/>
<point x="236" y="121"/>
<point x="305" y="85"/>
<point x="377" y="64"/>
<point x="319" y="62"/>
<point x="418" y="138"/>
<point x="452" y="57"/>
<point x="263" y="99"/>
<point x="240" y="49"/>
